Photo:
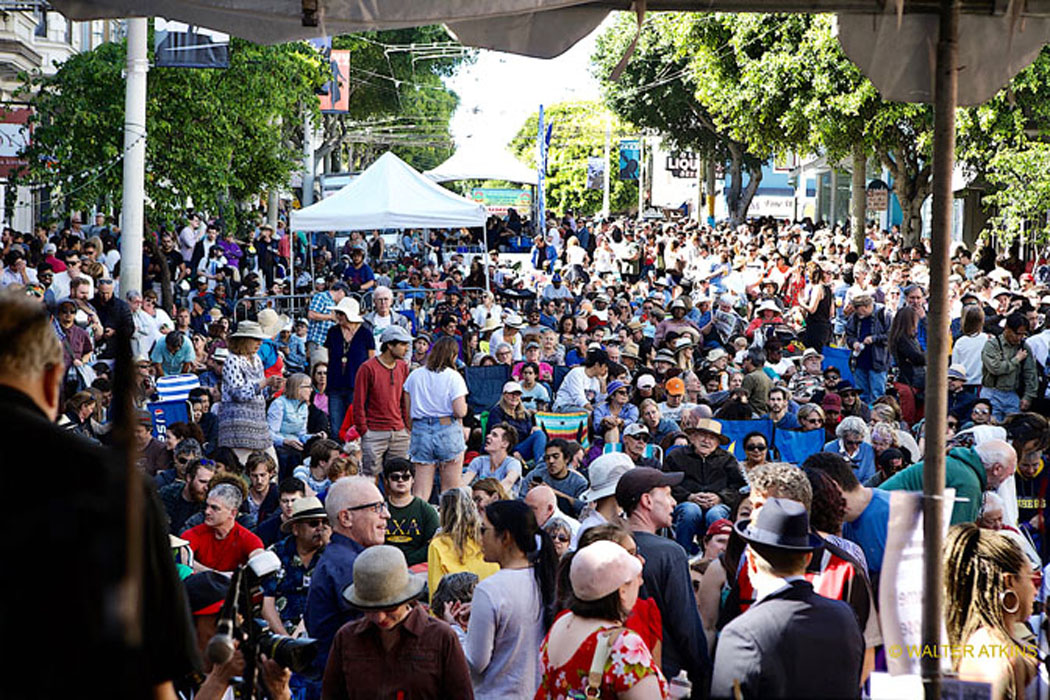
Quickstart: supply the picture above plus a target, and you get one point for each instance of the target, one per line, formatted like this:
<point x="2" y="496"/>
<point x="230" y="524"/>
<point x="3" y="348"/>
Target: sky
<point x="499" y="90"/>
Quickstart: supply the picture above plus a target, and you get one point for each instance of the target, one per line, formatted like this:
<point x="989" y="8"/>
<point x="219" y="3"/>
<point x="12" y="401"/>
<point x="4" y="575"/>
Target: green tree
<point x="398" y="100"/>
<point x="657" y="91"/>
<point x="1020" y="177"/>
<point x="579" y="134"/>
<point x="215" y="137"/>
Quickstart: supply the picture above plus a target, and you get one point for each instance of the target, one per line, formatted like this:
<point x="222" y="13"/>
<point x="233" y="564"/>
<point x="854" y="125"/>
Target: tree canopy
<point x="579" y="133"/>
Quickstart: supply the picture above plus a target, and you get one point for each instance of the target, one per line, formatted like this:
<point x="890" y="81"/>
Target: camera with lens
<point x="241" y="623"/>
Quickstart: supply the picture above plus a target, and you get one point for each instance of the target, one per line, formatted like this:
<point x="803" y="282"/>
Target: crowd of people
<point x="605" y="525"/>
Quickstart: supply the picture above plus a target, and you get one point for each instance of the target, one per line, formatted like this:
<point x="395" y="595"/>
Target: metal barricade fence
<point x="296" y="305"/>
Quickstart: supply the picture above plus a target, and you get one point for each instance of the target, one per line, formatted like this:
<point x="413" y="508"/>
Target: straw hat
<point x="710" y="426"/>
<point x="250" y="329"/>
<point x="491" y="324"/>
<point x="349" y="308"/>
<point x="381" y="580"/>
<point x="271" y="322"/>
<point x="306" y="508"/>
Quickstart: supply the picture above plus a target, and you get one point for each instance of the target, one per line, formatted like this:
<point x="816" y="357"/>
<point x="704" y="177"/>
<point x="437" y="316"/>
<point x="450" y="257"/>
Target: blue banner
<point x="540" y="227"/>
<point x="630" y="157"/>
<point x="839" y="359"/>
<point x="736" y="430"/>
<point x="795" y="447"/>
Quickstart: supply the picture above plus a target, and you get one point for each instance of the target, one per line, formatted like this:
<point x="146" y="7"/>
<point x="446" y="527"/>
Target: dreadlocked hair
<point x="975" y="561"/>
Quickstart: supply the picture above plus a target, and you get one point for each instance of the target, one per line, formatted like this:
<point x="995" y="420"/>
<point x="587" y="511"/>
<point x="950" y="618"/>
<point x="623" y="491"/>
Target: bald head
<point x="999" y="460"/>
<point x="543" y="503"/>
<point x="343" y="504"/>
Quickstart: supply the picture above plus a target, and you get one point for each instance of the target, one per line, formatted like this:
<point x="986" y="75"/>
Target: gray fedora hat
<point x="381" y="580"/>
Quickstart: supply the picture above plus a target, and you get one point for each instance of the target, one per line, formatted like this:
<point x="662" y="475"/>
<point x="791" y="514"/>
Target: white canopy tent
<point x="390" y="194"/>
<point x="474" y="163"/>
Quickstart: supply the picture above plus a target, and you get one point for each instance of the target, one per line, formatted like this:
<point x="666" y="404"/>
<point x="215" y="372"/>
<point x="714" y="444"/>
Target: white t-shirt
<point x="380" y="324"/>
<point x="967" y="352"/>
<point x="432" y="393"/>
<point x="574" y="388"/>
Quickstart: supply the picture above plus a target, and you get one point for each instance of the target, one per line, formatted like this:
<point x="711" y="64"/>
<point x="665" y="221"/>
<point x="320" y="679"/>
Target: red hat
<point x="832" y="402"/>
<point x="722" y="526"/>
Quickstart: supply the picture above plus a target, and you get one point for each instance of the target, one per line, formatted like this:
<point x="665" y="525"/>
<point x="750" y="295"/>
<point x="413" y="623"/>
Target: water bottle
<point x="680" y="686"/>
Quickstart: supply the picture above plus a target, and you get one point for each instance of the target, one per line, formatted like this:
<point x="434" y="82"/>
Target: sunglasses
<point x="754" y="446"/>
<point x="399" y="476"/>
<point x="815" y="421"/>
<point x="561" y="538"/>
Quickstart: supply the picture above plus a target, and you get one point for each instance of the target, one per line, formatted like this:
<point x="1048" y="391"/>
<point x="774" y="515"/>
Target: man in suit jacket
<point x="793" y="642"/>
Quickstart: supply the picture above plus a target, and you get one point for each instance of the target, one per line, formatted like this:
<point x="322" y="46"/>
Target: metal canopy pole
<point x="945" y="93"/>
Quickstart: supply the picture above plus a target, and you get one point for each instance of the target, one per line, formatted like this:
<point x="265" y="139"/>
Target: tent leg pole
<point x="946" y="94"/>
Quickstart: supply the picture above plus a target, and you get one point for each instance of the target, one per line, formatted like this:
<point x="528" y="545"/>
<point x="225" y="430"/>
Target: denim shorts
<point x="433" y="443"/>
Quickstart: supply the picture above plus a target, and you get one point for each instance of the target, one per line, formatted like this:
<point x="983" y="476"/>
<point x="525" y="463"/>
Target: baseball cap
<point x="636" y="429"/>
<point x="206" y="592"/>
<point x="675" y="386"/>
<point x="642" y="480"/>
<point x="722" y="526"/>
<point x="512" y="388"/>
<point x="957" y="371"/>
<point x="646" y="381"/>
<point x="395" y="334"/>
<point x="832" y="402"/>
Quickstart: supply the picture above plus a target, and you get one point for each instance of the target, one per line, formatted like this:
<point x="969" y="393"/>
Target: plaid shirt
<point x="322" y="303"/>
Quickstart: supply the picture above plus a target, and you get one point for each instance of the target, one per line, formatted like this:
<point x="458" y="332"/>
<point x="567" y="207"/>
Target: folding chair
<point x="568" y="426"/>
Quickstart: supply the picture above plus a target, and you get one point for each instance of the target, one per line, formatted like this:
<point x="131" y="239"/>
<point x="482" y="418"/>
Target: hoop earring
<point x="1011" y="609"/>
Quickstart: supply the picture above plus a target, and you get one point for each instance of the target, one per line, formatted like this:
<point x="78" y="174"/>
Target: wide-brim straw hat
<point x="382" y="580"/>
<point x="250" y="329"/>
<point x="271" y="322"/>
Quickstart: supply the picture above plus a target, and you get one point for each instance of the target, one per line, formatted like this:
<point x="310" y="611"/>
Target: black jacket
<point x="794" y="643"/>
<point x="75" y="562"/>
<point x="880" y="334"/>
<point x="718" y="473"/>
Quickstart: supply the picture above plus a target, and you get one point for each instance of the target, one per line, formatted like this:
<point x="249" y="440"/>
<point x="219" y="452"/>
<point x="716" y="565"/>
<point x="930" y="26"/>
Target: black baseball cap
<point x="641" y="480"/>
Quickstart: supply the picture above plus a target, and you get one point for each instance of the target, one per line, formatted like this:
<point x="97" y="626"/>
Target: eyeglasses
<point x="561" y="538"/>
<point x="399" y="476"/>
<point x="377" y="507"/>
<point x="754" y="446"/>
<point x="981" y="411"/>
<point x="852" y="443"/>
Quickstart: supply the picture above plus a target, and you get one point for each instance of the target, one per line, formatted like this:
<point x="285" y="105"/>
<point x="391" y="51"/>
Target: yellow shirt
<point x="442" y="559"/>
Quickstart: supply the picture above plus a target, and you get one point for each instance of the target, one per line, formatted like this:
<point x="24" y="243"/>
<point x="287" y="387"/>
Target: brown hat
<point x="709" y="425"/>
<point x="642" y="480"/>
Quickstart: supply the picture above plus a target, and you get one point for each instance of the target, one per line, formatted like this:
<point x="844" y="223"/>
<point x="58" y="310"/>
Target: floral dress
<point x="629" y="663"/>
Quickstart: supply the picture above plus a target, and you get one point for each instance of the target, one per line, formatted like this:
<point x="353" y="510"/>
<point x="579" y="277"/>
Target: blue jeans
<point x="691" y="520"/>
<point x="1003" y="402"/>
<point x="872" y="384"/>
<point x="339" y="401"/>
<point x="533" y="447"/>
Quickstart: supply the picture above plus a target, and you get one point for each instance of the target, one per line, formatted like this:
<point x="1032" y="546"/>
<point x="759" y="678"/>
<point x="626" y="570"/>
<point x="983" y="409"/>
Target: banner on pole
<point x="336" y="98"/>
<point x="179" y="45"/>
<point x="541" y="176"/>
<point x="15" y="137"/>
<point x="595" y="173"/>
<point x="630" y="157"/>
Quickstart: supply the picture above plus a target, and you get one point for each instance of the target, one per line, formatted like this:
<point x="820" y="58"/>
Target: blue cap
<point x="556" y="278"/>
<point x="614" y="385"/>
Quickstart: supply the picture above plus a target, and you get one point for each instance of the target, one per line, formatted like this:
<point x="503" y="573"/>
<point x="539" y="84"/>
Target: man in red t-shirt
<point x="379" y="414"/>
<point x="221" y="543"/>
